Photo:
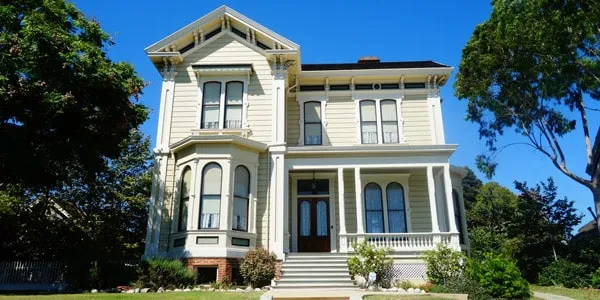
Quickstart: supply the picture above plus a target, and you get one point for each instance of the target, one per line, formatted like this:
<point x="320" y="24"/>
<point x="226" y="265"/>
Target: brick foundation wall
<point x="278" y="269"/>
<point x="224" y="266"/>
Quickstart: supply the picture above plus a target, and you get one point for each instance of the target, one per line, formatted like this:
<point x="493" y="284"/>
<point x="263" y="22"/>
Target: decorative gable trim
<point x="221" y="12"/>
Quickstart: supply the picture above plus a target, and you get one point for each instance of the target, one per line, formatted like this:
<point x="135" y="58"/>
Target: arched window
<point x="241" y="194"/>
<point x="313" y="131"/>
<point x="184" y="198"/>
<point x="368" y="122"/>
<point x="389" y="121"/>
<point x="395" y="207"/>
<point x="457" y="215"/>
<point x="210" y="199"/>
<point x="373" y="208"/>
<point x="234" y="92"/>
<point x="211" y="104"/>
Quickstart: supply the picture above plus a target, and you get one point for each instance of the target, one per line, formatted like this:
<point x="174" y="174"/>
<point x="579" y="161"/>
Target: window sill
<point x="241" y="132"/>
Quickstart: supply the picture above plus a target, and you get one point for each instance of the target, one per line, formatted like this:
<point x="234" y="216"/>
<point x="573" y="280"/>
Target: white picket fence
<point x="32" y="275"/>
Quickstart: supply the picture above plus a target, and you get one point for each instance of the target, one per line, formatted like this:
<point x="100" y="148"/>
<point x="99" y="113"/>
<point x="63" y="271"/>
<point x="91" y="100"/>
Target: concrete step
<point x="320" y="260"/>
<point x="331" y="278"/>
<point x="310" y="264"/>
<point x="315" y="285"/>
<point x="313" y="274"/>
<point x="308" y="269"/>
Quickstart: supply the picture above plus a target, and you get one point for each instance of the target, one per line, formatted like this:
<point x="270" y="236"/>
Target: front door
<point x="313" y="225"/>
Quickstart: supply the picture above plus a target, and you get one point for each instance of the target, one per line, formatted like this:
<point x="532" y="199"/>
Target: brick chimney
<point x="368" y="60"/>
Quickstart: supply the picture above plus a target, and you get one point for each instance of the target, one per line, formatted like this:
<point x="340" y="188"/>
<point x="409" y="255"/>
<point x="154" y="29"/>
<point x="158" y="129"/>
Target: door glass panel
<point x="305" y="218"/>
<point x="322" y="218"/>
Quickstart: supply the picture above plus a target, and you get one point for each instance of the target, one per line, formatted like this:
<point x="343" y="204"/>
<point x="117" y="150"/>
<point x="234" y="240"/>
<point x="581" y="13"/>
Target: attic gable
<point x="223" y="19"/>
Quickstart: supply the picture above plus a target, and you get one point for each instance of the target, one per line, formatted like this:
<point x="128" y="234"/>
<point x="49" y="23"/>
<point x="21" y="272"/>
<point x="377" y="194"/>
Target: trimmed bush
<point x="258" y="267"/>
<point x="500" y="277"/>
<point x="367" y="259"/>
<point x="462" y="285"/>
<point x="565" y="273"/>
<point x="162" y="272"/>
<point x="443" y="264"/>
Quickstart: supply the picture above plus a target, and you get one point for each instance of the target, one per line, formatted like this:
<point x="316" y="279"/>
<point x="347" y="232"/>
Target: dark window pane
<point x="313" y="187"/>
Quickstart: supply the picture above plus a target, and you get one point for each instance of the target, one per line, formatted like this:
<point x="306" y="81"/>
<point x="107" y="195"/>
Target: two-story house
<point x="256" y="149"/>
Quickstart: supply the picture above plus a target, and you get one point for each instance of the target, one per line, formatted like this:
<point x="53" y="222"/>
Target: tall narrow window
<point x="233" y="104"/>
<point x="184" y="199"/>
<point x="389" y="121"/>
<point x="368" y="122"/>
<point x="395" y="207"/>
<point x="322" y="225"/>
<point x="305" y="218"/>
<point x="210" y="200"/>
<point x="313" y="130"/>
<point x="241" y="193"/>
<point x="373" y="208"/>
<point x="211" y="97"/>
<point x="457" y="215"/>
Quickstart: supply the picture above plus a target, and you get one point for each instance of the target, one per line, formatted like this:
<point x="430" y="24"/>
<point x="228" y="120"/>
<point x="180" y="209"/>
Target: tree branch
<point x="586" y="129"/>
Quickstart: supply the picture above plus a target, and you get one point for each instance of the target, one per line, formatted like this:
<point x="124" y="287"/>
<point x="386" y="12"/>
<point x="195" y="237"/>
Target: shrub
<point x="443" y="264"/>
<point x="404" y="284"/>
<point x="500" y="277"/>
<point x="565" y="273"/>
<point x="462" y="285"/>
<point x="223" y="284"/>
<point x="258" y="267"/>
<point x="162" y="272"/>
<point x="367" y="259"/>
<point x="596" y="279"/>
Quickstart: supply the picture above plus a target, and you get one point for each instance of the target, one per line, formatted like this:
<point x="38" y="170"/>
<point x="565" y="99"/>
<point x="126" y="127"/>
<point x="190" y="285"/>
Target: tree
<point x="471" y="185"/>
<point x="540" y="82"/>
<point x="65" y="104"/>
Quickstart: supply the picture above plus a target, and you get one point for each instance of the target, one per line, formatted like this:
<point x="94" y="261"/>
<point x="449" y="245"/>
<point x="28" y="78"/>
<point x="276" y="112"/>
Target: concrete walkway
<point x="550" y="296"/>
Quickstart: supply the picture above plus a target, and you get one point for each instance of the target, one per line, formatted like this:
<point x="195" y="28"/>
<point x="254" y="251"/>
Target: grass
<point x="579" y="294"/>
<point x="150" y="296"/>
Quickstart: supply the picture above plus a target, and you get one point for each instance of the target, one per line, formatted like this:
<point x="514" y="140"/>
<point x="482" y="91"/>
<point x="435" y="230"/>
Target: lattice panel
<point x="407" y="271"/>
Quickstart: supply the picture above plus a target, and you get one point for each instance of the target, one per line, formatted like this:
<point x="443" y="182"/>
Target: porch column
<point x="360" y="226"/>
<point x="342" y="211"/>
<point x="435" y="227"/>
<point x="278" y="205"/>
<point x="449" y="201"/>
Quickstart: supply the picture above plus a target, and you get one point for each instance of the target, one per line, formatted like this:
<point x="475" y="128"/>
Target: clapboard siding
<point x="341" y="121"/>
<point x="419" y="202"/>
<point x="417" y="123"/>
<point x="293" y="121"/>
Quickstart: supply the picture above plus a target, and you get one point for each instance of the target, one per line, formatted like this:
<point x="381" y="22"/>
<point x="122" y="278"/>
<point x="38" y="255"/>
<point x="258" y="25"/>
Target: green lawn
<point x="150" y="296"/>
<point x="579" y="294"/>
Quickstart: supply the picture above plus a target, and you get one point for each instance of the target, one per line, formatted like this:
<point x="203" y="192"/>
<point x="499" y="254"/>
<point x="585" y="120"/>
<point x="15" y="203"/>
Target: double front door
<point x="313" y="225"/>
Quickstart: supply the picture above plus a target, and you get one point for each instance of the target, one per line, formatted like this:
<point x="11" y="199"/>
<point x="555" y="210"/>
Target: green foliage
<point x="500" y="277"/>
<point x="404" y="284"/>
<point x="585" y="249"/>
<point x="258" y="267"/>
<point x="462" y="285"/>
<point x="470" y="185"/>
<point x="565" y="273"/>
<point x="596" y="279"/>
<point x="367" y="258"/>
<point x="223" y="284"/>
<point x="65" y="104"/>
<point x="163" y="272"/>
<point x="443" y="264"/>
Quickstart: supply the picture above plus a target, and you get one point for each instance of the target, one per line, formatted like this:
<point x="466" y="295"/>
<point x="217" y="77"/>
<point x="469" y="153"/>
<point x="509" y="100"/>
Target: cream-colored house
<point x="256" y="149"/>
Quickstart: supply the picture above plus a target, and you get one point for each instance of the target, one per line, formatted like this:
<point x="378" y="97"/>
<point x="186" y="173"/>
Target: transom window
<point x="379" y="122"/>
<point x="222" y="107"/>
<point x="210" y="198"/>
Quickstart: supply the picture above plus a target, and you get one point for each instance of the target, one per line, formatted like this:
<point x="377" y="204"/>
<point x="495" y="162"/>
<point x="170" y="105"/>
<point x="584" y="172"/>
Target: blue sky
<point x="342" y="31"/>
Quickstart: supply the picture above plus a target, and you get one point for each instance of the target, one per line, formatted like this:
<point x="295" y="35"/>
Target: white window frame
<point x="223" y="80"/>
<point x="378" y="97"/>
<point x="302" y="99"/>
<point x="383" y="180"/>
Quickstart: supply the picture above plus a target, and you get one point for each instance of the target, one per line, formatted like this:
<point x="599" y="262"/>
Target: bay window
<point x="210" y="198"/>
<point x="241" y="194"/>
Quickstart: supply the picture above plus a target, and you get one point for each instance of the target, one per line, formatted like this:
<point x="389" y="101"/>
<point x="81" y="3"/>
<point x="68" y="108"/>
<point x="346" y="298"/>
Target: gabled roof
<point x="378" y="65"/>
<point x="223" y="11"/>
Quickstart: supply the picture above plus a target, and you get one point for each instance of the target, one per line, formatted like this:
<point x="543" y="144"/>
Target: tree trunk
<point x="596" y="192"/>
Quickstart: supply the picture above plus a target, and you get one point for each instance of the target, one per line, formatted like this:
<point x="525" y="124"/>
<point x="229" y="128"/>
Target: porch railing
<point x="400" y="241"/>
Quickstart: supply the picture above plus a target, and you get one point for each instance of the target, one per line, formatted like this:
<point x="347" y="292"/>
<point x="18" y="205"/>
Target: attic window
<point x="212" y="33"/>
<point x="414" y="85"/>
<point x="187" y="48"/>
<point x="238" y="32"/>
<point x="262" y="46"/>
<point x="389" y="86"/>
<point x="312" y="88"/>
<point x="339" y="87"/>
<point x="363" y="87"/>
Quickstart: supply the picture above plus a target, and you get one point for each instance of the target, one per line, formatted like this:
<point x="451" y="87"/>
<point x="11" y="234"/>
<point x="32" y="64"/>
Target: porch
<point x="408" y="208"/>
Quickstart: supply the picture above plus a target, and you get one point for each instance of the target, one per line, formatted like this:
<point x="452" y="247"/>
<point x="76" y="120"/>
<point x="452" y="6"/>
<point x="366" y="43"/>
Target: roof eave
<point x="377" y="72"/>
